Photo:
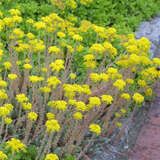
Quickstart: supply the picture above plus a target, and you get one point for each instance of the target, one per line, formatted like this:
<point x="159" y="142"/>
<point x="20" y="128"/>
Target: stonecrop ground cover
<point x="58" y="87"/>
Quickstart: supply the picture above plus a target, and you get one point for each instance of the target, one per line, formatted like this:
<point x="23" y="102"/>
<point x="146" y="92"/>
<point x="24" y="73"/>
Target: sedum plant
<point x="60" y="82"/>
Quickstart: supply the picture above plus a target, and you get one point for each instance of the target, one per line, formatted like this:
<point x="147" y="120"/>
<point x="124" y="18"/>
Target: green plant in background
<point x="125" y="16"/>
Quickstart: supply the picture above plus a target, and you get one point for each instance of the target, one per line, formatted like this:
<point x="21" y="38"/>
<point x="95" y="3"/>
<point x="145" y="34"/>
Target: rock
<point x="151" y="30"/>
<point x="101" y="155"/>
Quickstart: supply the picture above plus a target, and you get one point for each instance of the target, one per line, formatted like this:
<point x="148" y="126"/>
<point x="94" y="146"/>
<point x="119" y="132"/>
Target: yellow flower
<point x="138" y="98"/>
<point x="95" y="77"/>
<point x="18" y="33"/>
<point x="61" y="34"/>
<point x="53" y="81"/>
<point x="35" y="79"/>
<point x="77" y="37"/>
<point x="51" y="157"/>
<point x="104" y="77"/>
<point x="57" y="65"/>
<point x="94" y="101"/>
<point x="44" y="69"/>
<point x="123" y="111"/>
<point x="31" y="21"/>
<point x="142" y="83"/>
<point x="89" y="57"/>
<point x="32" y="116"/>
<point x="61" y="105"/>
<point x="7" y="65"/>
<point x="8" y="120"/>
<point x="3" y="94"/>
<point x="30" y="35"/>
<point x="8" y="106"/>
<point x="52" y="125"/>
<point x="3" y="156"/>
<point x="80" y="48"/>
<point x="18" y="63"/>
<point x="14" y="12"/>
<point x="72" y="76"/>
<point x="118" y="124"/>
<point x="98" y="48"/>
<point x="110" y="49"/>
<point x="21" y="98"/>
<point x="120" y="84"/>
<point x="95" y="128"/>
<point x="15" y="145"/>
<point x="50" y="115"/>
<point x="117" y="115"/>
<point x="130" y="81"/>
<point x="107" y="99"/>
<point x="45" y="89"/>
<point x="40" y="25"/>
<point x="112" y="70"/>
<point x="125" y="96"/>
<point x="53" y="49"/>
<point x="4" y="111"/>
<point x="1" y="14"/>
<point x="27" y="106"/>
<point x="12" y="76"/>
<point x="148" y="92"/>
<point x="27" y="66"/>
<point x="3" y="83"/>
<point x="78" y="115"/>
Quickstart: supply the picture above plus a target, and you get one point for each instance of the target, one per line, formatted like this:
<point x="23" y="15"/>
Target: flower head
<point x="138" y="98"/>
<point x="95" y="128"/>
<point x="51" y="157"/>
<point x="15" y="145"/>
<point x="32" y="116"/>
<point x="52" y="125"/>
<point x="3" y="156"/>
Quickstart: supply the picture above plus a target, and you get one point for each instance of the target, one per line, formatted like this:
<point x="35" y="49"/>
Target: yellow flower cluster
<point x="45" y="89"/>
<point x="95" y="128"/>
<point x="32" y="116"/>
<point x="107" y="99"/>
<point x="78" y="115"/>
<point x="71" y="90"/>
<point x="57" y="65"/>
<point x="120" y="84"/>
<point x="126" y="96"/>
<point x="99" y="77"/>
<point x="53" y="81"/>
<point x="3" y="94"/>
<point x="15" y="145"/>
<point x="138" y="98"/>
<point x="51" y="157"/>
<point x="12" y="76"/>
<point x="97" y="48"/>
<point x="50" y="115"/>
<point x="3" y="156"/>
<point x="53" y="49"/>
<point x="61" y="105"/>
<point x="94" y="101"/>
<point x="21" y="98"/>
<point x="8" y="121"/>
<point x="85" y="2"/>
<point x="89" y="61"/>
<point x="72" y="76"/>
<point x="52" y="125"/>
<point x="35" y="79"/>
<point x="110" y="49"/>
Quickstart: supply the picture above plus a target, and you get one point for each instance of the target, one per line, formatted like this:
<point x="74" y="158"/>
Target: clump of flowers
<point x="56" y="84"/>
